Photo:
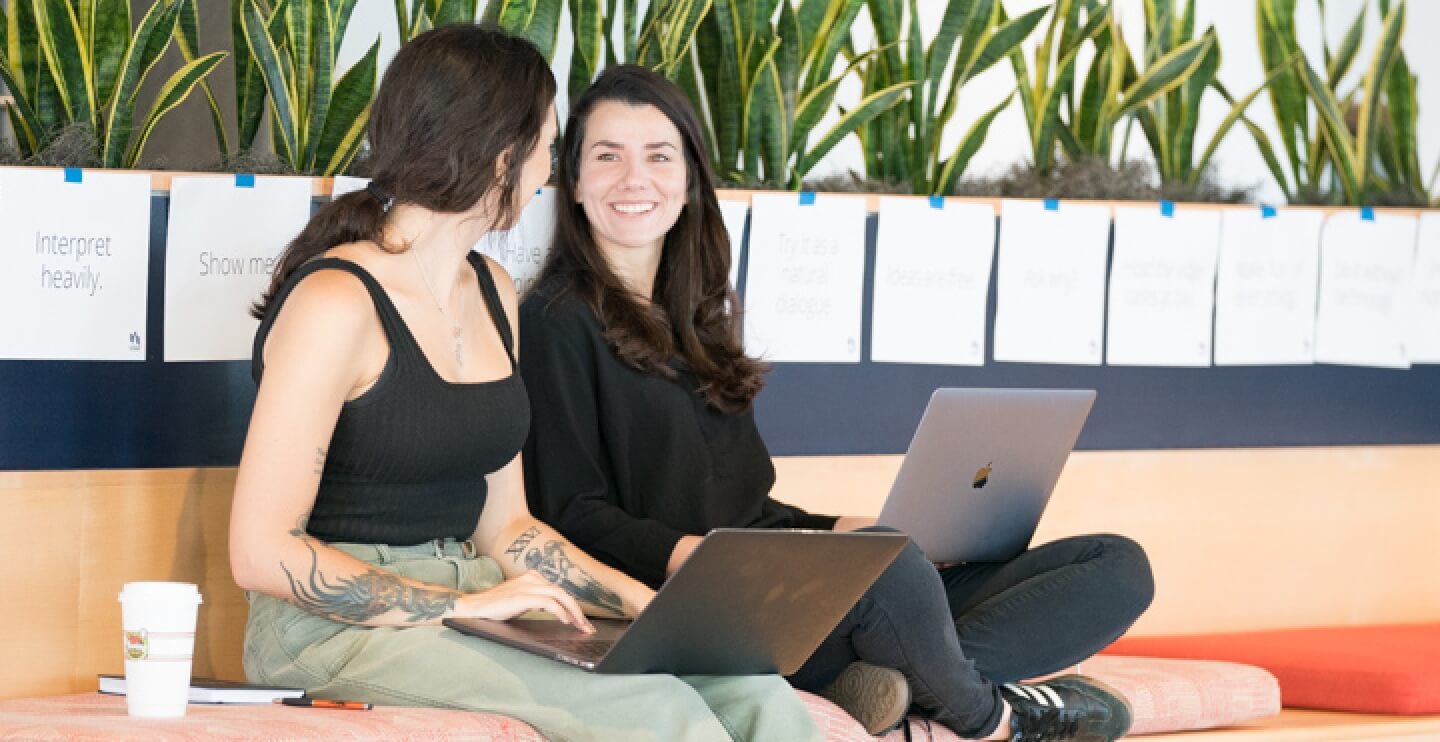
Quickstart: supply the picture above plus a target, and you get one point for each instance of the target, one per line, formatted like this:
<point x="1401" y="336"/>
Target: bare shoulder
<point x="329" y="311"/>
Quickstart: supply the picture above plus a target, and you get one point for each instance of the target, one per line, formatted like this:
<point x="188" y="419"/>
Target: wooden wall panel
<point x="80" y="536"/>
<point x="1239" y="539"/>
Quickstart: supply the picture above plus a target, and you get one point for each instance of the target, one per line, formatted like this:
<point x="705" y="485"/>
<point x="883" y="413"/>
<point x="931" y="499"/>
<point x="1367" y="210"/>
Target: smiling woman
<point x="644" y="439"/>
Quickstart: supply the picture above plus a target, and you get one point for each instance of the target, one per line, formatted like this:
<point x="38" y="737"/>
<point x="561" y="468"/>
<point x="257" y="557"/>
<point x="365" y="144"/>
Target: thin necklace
<point x="455" y="330"/>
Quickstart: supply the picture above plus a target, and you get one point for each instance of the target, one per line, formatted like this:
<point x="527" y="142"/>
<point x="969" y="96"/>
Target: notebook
<point x="981" y="468"/>
<point x="746" y="602"/>
<point x="211" y="690"/>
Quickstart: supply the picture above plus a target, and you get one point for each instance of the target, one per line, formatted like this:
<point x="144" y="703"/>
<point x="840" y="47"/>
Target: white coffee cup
<point x="159" y="644"/>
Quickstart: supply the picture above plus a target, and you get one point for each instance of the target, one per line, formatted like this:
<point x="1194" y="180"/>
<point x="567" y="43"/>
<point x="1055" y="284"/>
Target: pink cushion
<point x="1384" y="669"/>
<point x="1168" y="695"/>
<point x="93" y="716"/>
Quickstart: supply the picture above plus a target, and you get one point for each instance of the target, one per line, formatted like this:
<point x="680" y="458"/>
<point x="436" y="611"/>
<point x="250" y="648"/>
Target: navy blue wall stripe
<point x="63" y="415"/>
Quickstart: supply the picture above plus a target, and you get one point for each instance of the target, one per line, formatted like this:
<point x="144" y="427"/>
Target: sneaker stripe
<point x="1050" y="692"/>
<point x="1035" y="695"/>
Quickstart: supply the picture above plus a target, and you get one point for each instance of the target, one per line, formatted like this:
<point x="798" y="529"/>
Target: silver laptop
<point x="747" y="602"/>
<point x="981" y="468"/>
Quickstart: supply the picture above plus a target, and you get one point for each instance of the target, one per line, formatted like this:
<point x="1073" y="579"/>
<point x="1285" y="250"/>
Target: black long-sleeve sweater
<point x="624" y="463"/>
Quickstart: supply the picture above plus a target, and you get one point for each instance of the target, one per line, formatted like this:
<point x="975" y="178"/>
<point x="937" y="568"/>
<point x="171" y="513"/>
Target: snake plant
<point x="80" y="64"/>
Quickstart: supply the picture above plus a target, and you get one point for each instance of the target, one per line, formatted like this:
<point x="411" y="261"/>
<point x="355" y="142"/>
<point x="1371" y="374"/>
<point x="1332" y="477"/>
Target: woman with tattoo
<point x="644" y="440"/>
<point x="380" y="489"/>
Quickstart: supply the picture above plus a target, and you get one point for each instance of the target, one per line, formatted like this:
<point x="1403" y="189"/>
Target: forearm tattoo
<point x="360" y="597"/>
<point x="552" y="563"/>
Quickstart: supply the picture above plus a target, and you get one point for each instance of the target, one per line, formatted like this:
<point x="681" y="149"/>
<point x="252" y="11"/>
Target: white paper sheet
<point x="932" y="279"/>
<point x="222" y="245"/>
<point x="74" y="265"/>
<point x="344" y="184"/>
<point x="805" y="278"/>
<point x="1423" y="336"/>
<point x="1162" y="287"/>
<point x="734" y="214"/>
<point x="522" y="250"/>
<point x="1050" y="282"/>
<point x="1365" y="267"/>
<point x="1265" y="286"/>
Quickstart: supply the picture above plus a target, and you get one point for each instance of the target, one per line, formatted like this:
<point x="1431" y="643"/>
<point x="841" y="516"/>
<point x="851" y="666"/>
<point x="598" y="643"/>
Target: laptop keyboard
<point x="591" y="649"/>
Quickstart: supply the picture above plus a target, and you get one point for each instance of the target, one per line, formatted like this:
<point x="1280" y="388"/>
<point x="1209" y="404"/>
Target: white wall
<point x="1234" y="20"/>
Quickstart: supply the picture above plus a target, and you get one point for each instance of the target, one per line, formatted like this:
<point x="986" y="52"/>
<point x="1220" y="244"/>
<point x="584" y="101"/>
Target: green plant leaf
<point x="969" y="144"/>
<point x="870" y="106"/>
<point x="1385" y="51"/>
<point x="1400" y="95"/>
<point x="817" y="102"/>
<point x="834" y="30"/>
<point x="1006" y="38"/>
<point x="320" y="86"/>
<point x="1237" y="113"/>
<point x="109" y="34"/>
<point x="587" y="26"/>
<point x="300" y="22"/>
<point x="1341" y="145"/>
<point x="140" y="57"/>
<point x="1337" y="66"/>
<point x="187" y="32"/>
<point x="284" y="117"/>
<point x="349" y="114"/>
<point x="172" y="93"/>
<point x="1167" y="73"/>
<point x="67" y="59"/>
<point x="27" y="124"/>
<point x="1275" y="24"/>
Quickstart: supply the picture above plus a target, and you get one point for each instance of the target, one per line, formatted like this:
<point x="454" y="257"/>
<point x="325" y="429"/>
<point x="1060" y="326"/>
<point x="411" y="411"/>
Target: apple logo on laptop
<point x="982" y="476"/>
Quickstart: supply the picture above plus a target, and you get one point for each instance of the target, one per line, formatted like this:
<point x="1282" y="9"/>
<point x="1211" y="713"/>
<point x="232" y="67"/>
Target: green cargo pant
<point x="437" y="667"/>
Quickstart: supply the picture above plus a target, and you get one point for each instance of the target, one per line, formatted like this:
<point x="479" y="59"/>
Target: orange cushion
<point x="1392" y="669"/>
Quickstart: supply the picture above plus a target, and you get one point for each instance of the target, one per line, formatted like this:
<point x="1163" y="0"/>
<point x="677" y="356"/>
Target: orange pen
<point x="325" y="703"/>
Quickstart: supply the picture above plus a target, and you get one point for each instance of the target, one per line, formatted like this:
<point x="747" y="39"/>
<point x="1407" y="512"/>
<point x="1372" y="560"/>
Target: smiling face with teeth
<point x="632" y="182"/>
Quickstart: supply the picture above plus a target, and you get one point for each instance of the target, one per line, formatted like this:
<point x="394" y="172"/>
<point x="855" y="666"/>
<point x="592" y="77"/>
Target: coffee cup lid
<point x="185" y="591"/>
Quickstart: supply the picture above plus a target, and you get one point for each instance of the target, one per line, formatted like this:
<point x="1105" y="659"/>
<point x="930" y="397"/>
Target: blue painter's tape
<point x="74" y="175"/>
<point x="1367" y="214"/>
<point x="807" y="198"/>
<point x="244" y="180"/>
<point x="937" y="202"/>
<point x="1167" y="208"/>
<point x="1267" y="211"/>
<point x="1052" y="204"/>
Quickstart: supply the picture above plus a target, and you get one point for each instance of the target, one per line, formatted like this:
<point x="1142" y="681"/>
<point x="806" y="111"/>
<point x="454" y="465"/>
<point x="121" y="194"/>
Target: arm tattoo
<point x="552" y="563"/>
<point x="360" y="597"/>
<point x="517" y="549"/>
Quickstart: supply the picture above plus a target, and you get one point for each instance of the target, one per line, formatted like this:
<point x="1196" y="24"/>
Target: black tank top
<point x="408" y="459"/>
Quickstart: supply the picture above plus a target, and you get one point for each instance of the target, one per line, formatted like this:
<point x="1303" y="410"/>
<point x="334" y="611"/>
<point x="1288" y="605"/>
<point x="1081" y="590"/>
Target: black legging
<point x="956" y="632"/>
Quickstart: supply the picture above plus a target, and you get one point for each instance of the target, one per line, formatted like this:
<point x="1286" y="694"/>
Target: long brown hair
<point x="694" y="312"/>
<point x="453" y="102"/>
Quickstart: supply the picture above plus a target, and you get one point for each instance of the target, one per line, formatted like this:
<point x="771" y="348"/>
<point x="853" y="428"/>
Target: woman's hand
<point x="853" y="523"/>
<point x="527" y="592"/>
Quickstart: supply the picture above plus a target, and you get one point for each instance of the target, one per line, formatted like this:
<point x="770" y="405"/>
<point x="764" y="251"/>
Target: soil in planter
<point x="73" y="146"/>
<point x="1098" y="180"/>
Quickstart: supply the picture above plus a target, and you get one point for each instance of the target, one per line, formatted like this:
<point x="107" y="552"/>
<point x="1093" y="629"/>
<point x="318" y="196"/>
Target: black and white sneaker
<point x="1072" y="708"/>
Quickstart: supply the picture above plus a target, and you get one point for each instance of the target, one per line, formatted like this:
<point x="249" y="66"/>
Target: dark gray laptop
<point x="747" y="602"/>
<point x="981" y="468"/>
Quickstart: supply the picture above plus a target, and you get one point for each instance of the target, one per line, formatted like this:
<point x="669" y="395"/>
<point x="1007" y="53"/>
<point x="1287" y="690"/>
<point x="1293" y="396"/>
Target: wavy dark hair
<point x="693" y="314"/>
<point x="453" y="102"/>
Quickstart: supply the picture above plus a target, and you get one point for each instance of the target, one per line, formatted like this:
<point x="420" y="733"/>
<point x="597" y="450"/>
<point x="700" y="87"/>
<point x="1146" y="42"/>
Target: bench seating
<point x="1241" y="540"/>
